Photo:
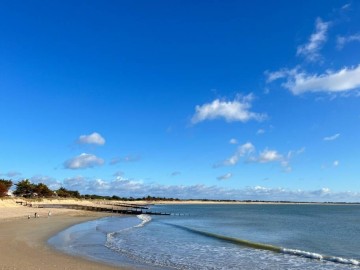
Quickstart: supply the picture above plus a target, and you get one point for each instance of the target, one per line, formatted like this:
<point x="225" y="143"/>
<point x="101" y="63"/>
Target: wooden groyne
<point x="128" y="205"/>
<point x="106" y="208"/>
<point x="116" y="208"/>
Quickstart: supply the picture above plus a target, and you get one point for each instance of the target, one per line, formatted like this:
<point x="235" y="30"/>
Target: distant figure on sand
<point x="28" y="216"/>
<point x="36" y="215"/>
<point x="49" y="214"/>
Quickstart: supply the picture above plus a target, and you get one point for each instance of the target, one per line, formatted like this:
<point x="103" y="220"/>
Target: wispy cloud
<point x="94" y="138"/>
<point x="128" y="158"/>
<point x="280" y="74"/>
<point x="346" y="6"/>
<point x="343" y="40"/>
<point x="83" y="161"/>
<point x="231" y="111"/>
<point x="332" y="138"/>
<point x="11" y="174"/>
<point x="118" y="173"/>
<point x="310" y="50"/>
<point x="242" y="150"/>
<point x="299" y="82"/>
<point x="248" y="153"/>
<point x="176" y="173"/>
<point x="336" y="163"/>
<point x="224" y="177"/>
<point x="233" y="141"/>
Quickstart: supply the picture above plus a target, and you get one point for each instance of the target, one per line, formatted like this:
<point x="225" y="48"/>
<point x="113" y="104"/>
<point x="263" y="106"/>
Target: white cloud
<point x="94" y="138"/>
<point x="242" y="150"/>
<point x="336" y="163"/>
<point x="88" y="186"/>
<point x="247" y="151"/>
<point x="311" y="49"/>
<point x="129" y="187"/>
<point x="343" y="40"/>
<point x="51" y="182"/>
<point x="224" y="177"/>
<point x="233" y="141"/>
<point x="332" y="138"/>
<point x="281" y="74"/>
<point x="77" y="182"/>
<point x="99" y="184"/>
<point x="83" y="161"/>
<point x="246" y="148"/>
<point x="269" y="156"/>
<point x="299" y="82"/>
<point x="133" y="188"/>
<point x="260" y="131"/>
<point x="231" y="111"/>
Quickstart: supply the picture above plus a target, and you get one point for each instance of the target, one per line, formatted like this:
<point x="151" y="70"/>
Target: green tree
<point x="42" y="190"/>
<point x="65" y="193"/>
<point x="74" y="194"/>
<point x="5" y="185"/>
<point x="24" y="188"/>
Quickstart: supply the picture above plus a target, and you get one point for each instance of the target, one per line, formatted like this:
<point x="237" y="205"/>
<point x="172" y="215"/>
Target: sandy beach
<point x="23" y="241"/>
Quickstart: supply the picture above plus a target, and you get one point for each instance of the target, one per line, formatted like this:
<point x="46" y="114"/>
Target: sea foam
<point x="318" y="256"/>
<point x="145" y="219"/>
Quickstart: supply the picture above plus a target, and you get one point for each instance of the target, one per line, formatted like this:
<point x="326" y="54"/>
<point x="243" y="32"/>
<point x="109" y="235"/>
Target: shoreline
<point x="23" y="242"/>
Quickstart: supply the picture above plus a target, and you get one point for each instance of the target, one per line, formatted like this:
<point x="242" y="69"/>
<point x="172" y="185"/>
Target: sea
<point x="222" y="236"/>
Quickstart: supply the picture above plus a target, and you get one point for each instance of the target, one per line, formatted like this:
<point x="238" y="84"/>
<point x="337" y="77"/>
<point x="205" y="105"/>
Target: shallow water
<point x="224" y="237"/>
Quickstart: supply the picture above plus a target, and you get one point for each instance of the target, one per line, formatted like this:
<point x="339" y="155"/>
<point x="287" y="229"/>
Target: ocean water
<point x="223" y="237"/>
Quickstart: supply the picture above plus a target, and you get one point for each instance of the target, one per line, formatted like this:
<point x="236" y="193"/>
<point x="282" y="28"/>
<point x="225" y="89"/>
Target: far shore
<point x="250" y="202"/>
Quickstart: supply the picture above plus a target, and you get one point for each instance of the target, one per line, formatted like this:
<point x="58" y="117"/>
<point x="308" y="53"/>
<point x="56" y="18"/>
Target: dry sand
<point x="23" y="241"/>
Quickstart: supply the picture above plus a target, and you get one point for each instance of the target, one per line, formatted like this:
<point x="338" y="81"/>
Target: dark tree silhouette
<point x="24" y="188"/>
<point x="65" y="193"/>
<point x="42" y="190"/>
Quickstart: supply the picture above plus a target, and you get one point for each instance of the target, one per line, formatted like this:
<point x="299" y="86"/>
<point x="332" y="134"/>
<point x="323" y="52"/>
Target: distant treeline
<point x="26" y="189"/>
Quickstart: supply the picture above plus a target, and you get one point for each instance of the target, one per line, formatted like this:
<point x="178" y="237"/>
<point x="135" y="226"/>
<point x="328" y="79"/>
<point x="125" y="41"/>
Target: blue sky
<point x="212" y="99"/>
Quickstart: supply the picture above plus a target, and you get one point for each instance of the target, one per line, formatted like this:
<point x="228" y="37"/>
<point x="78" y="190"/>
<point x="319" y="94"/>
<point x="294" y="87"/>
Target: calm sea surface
<point x="223" y="237"/>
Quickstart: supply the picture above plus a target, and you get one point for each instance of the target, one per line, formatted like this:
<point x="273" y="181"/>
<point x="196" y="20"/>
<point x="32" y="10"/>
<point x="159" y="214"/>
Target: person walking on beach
<point x="49" y="214"/>
<point x="36" y="215"/>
